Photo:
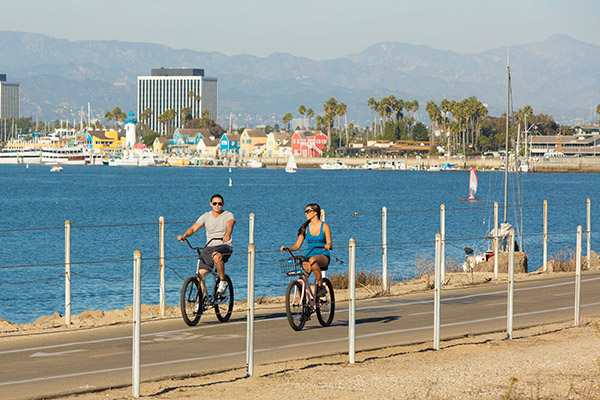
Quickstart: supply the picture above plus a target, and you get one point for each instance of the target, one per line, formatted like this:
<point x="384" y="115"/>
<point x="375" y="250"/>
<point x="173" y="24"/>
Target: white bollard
<point x="250" y="314"/>
<point x="437" y="293"/>
<point x="384" y="258"/>
<point x="511" y="285"/>
<point x="443" y="242"/>
<point x="161" y="264"/>
<point x="545" y="260"/>
<point x="137" y="306"/>
<point x="578" y="276"/>
<point x="496" y="240"/>
<point x="589" y="233"/>
<point x="352" y="303"/>
<point x="251" y="228"/>
<point x="67" y="272"/>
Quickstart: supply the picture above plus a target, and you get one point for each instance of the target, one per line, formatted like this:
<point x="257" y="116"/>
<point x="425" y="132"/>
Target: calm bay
<point x="115" y="210"/>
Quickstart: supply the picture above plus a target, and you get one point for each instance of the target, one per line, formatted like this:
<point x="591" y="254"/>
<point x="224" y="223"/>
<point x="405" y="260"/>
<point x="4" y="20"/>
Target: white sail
<point x="291" y="164"/>
<point x="473" y="184"/>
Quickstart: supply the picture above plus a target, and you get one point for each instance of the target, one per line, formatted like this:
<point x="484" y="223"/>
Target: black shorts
<point x="224" y="249"/>
<point x="328" y="261"/>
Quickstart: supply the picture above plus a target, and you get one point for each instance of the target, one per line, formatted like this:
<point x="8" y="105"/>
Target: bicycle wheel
<point x="295" y="304"/>
<point x="190" y="300"/>
<point x="326" y="305"/>
<point x="223" y="302"/>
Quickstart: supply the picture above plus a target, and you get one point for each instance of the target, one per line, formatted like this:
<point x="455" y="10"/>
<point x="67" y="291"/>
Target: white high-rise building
<point x="175" y="89"/>
<point x="9" y="98"/>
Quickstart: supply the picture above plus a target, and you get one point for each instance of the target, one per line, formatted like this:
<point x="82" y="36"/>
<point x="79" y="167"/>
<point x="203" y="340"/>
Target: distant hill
<point x="558" y="76"/>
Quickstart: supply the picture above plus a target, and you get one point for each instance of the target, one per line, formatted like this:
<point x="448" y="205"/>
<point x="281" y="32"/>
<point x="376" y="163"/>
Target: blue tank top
<point x="315" y="241"/>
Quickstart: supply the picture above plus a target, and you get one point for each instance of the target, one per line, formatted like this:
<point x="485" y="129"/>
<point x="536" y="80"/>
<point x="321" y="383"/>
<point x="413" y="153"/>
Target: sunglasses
<point x="217" y="203"/>
<point x="308" y="211"/>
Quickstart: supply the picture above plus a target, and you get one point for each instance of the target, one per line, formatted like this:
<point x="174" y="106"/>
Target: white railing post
<point x="250" y="315"/>
<point x="511" y="285"/>
<point x="496" y="240"/>
<point x="437" y="294"/>
<point x="545" y="259"/>
<point x="384" y="272"/>
<point x="352" y="302"/>
<point x="67" y="272"/>
<point x="161" y="264"/>
<point x="137" y="305"/>
<point x="589" y="233"/>
<point x="251" y="228"/>
<point x="578" y="276"/>
<point x="442" y="243"/>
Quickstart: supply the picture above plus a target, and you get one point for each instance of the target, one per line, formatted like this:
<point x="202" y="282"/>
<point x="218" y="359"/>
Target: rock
<point x="594" y="260"/>
<point x="48" y="321"/>
<point x="520" y="264"/>
<point x="96" y="314"/>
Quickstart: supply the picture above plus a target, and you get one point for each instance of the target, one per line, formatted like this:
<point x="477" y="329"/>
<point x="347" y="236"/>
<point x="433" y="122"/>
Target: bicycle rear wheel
<point x="326" y="305"/>
<point x="223" y="302"/>
<point x="295" y="304"/>
<point x="191" y="301"/>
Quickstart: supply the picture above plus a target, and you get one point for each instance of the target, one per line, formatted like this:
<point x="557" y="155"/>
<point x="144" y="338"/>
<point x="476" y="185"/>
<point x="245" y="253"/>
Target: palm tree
<point x="434" y="117"/>
<point x="341" y="111"/>
<point x="286" y="119"/>
<point x="598" y="111"/>
<point x="310" y="113"/>
<point x="186" y="112"/>
<point x="301" y="111"/>
<point x="330" y="108"/>
<point x="167" y="116"/>
<point x="373" y="104"/>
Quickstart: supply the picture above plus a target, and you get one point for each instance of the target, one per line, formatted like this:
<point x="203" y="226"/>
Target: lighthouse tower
<point x="130" y="129"/>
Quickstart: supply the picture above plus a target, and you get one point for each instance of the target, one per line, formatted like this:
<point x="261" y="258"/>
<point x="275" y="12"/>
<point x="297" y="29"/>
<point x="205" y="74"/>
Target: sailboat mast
<point x="506" y="154"/>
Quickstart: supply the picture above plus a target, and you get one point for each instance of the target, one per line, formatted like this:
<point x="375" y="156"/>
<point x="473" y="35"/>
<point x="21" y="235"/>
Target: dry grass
<point x="564" y="260"/>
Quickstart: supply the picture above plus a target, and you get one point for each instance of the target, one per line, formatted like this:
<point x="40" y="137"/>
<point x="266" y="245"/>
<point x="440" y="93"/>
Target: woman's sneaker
<point x="222" y="287"/>
<point x="321" y="291"/>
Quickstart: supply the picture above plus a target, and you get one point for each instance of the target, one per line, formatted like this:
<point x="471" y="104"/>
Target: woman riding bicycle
<point x="318" y="239"/>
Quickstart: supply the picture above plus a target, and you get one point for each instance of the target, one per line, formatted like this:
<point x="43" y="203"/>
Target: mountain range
<point x="58" y="78"/>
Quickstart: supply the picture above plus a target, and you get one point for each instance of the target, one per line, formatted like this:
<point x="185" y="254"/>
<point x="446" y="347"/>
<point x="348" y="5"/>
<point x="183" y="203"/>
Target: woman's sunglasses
<point x="308" y="211"/>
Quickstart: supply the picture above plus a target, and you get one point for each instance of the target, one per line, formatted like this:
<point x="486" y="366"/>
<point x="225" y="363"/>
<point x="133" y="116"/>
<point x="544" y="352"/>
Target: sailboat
<point x="291" y="164"/>
<point x="503" y="230"/>
<point x="472" y="186"/>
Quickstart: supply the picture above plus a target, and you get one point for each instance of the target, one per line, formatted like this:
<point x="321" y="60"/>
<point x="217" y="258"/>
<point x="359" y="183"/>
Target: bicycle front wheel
<point x="191" y="301"/>
<point x="224" y="301"/>
<point x="326" y="305"/>
<point x="295" y="304"/>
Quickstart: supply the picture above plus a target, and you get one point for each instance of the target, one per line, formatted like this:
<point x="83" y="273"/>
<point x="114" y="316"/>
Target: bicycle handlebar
<point x="198" y="249"/>
<point x="292" y="254"/>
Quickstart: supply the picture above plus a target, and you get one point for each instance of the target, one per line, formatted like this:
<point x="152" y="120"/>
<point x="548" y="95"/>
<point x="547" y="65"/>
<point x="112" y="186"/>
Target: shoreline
<point x="151" y="312"/>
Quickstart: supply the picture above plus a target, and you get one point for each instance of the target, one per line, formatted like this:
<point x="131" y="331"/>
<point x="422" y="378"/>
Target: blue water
<point x="35" y="203"/>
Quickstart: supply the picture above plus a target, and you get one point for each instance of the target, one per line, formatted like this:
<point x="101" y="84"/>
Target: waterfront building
<point x="187" y="140"/>
<point x="105" y="140"/>
<point x="211" y="146"/>
<point x="160" y="145"/>
<point x="9" y="98"/>
<point x="308" y="144"/>
<point x="278" y="144"/>
<point x="176" y="89"/>
<point x="229" y="143"/>
<point x="251" y="141"/>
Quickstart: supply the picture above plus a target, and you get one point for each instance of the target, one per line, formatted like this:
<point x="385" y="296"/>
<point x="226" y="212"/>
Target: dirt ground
<point x="547" y="362"/>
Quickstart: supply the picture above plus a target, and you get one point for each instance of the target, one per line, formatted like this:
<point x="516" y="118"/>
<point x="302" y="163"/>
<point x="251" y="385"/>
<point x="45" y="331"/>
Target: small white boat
<point x="291" y="164"/>
<point x="56" y="168"/>
<point x="254" y="164"/>
<point x="335" y="165"/>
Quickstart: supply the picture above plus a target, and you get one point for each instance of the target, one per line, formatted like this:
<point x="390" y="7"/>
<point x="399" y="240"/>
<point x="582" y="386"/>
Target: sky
<point x="316" y="29"/>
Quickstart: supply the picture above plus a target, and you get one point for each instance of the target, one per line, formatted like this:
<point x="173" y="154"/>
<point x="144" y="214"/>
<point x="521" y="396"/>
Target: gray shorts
<point x="206" y="256"/>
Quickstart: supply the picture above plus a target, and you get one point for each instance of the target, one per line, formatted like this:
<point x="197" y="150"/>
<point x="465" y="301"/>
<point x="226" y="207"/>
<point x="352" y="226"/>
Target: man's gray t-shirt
<point x="216" y="227"/>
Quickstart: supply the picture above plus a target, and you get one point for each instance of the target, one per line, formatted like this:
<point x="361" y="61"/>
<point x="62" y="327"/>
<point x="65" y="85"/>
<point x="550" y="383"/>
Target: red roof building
<point x="306" y="145"/>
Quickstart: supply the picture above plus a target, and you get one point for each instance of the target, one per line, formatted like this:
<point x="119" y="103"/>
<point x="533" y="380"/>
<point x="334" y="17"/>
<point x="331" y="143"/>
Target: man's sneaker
<point x="321" y="291"/>
<point x="196" y="308"/>
<point x="222" y="287"/>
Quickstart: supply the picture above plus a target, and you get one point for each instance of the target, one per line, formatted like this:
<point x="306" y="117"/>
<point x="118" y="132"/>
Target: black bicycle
<point x="194" y="302"/>
<point x="301" y="298"/>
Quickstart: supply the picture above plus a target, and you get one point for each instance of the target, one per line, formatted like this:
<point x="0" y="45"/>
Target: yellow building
<point x="106" y="140"/>
<point x="252" y="140"/>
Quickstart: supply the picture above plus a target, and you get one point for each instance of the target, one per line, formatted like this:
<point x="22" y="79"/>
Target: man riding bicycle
<point x="218" y="223"/>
